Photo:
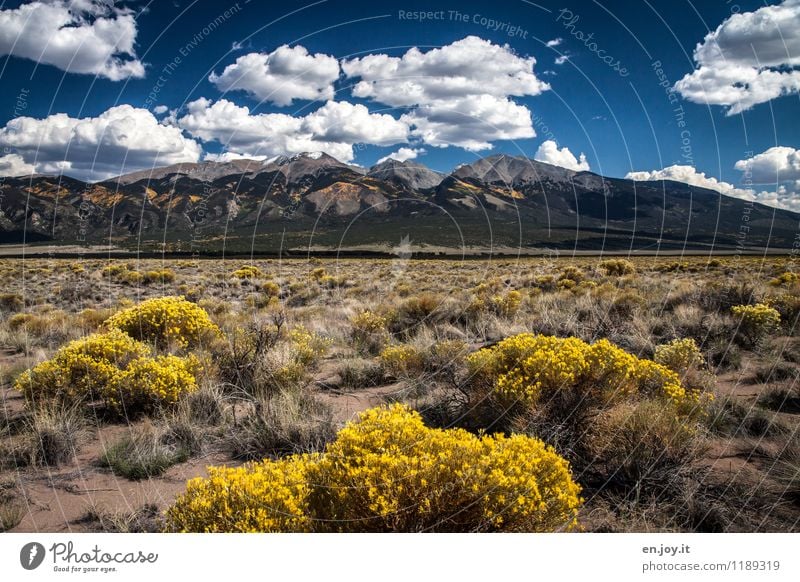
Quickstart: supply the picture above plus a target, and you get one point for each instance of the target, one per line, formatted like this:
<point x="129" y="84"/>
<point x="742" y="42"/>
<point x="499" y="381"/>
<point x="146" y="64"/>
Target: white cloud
<point x="121" y="139"/>
<point x="468" y="67"/>
<point x="553" y="43"/>
<point x="231" y="157"/>
<point x="751" y="58"/>
<point x="690" y="175"/>
<point x="549" y="153"/>
<point x="160" y="109"/>
<point x="561" y="59"/>
<point x="402" y="155"/>
<point x="285" y="74"/>
<point x="777" y="164"/>
<point x="15" y="165"/>
<point x="333" y="129"/>
<point x="340" y="121"/>
<point x="783" y="197"/>
<point x="92" y="37"/>
<point x="471" y="122"/>
<point x="459" y="94"/>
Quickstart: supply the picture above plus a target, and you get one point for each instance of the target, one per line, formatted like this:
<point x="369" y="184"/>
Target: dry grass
<point x="260" y="397"/>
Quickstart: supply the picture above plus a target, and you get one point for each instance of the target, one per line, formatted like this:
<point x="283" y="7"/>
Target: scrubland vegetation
<point x="584" y="394"/>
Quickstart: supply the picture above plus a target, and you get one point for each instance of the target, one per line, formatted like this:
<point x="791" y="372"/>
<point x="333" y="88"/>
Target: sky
<point x="701" y="92"/>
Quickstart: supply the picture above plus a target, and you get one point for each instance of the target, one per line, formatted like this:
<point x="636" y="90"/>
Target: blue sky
<point x="602" y="95"/>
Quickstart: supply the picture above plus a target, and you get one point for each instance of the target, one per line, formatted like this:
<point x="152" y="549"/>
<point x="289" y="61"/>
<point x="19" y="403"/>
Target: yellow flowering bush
<point x="166" y="321"/>
<point x="160" y="276"/>
<point x="506" y="304"/>
<point x="617" y="267"/>
<point x="679" y="355"/>
<point x="147" y="384"/>
<point x="367" y="322"/>
<point x="257" y="497"/>
<point x="756" y="321"/>
<point x="527" y="368"/>
<point x="787" y="305"/>
<point x="270" y="289"/>
<point x="248" y="272"/>
<point x="308" y="346"/>
<point x="389" y="472"/>
<point x="113" y="367"/>
<point x="81" y="369"/>
<point x="785" y="279"/>
<point x="402" y="360"/>
<point x="125" y="273"/>
<point x="369" y="330"/>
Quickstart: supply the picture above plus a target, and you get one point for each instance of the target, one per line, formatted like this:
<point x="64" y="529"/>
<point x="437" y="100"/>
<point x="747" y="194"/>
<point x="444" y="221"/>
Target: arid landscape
<point x="642" y="394"/>
<point x="334" y="267"/>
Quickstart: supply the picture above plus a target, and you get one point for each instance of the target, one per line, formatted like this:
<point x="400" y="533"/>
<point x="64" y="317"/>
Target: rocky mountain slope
<point x="314" y="201"/>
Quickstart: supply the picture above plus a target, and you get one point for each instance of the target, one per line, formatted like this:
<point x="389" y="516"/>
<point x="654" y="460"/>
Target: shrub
<point x="260" y="497"/>
<point x="248" y="272"/>
<point x="318" y="274"/>
<point x="506" y="305"/>
<point x="786" y="279"/>
<point x="369" y="330"/>
<point x="165" y="321"/>
<point x="113" y="367"/>
<point x="679" y="355"/>
<point x="360" y="373"/>
<point x="571" y="273"/>
<point x="414" y="311"/>
<point x="756" y="321"/>
<point x="11" y="302"/>
<point x="788" y="306"/>
<point x="308" y="346"/>
<point x="270" y="288"/>
<point x="617" y="267"/>
<point x="526" y="368"/>
<point x="389" y="472"/>
<point x="402" y="361"/>
<point x="82" y="369"/>
<point x="52" y="435"/>
<point x="643" y="445"/>
<point x="148" y="384"/>
<point x="141" y="455"/>
<point x="288" y="422"/>
<point x="19" y="320"/>
<point x="160" y="276"/>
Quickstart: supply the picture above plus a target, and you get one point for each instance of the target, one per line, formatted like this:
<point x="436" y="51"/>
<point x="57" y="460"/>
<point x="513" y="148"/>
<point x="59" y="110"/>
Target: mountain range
<point x="313" y="201"/>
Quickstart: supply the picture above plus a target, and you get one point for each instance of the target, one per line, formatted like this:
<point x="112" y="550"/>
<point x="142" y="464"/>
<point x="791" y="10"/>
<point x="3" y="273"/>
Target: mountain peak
<point x="507" y="169"/>
<point x="409" y="175"/>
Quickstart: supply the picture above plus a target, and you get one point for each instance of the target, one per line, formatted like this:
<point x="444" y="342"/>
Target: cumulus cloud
<point x="782" y="197"/>
<point x="15" y="165"/>
<point x="333" y="129"/>
<point x="285" y="74"/>
<point x="121" y="139"/>
<point x="92" y="37"/>
<point x="751" y="58"/>
<point x="231" y="157"/>
<point x="402" y="155"/>
<point x="550" y="153"/>
<point x="561" y="59"/>
<point x="777" y="164"/>
<point x="471" y="66"/>
<point x="458" y="95"/>
<point x="471" y="122"/>
<point x="554" y="42"/>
